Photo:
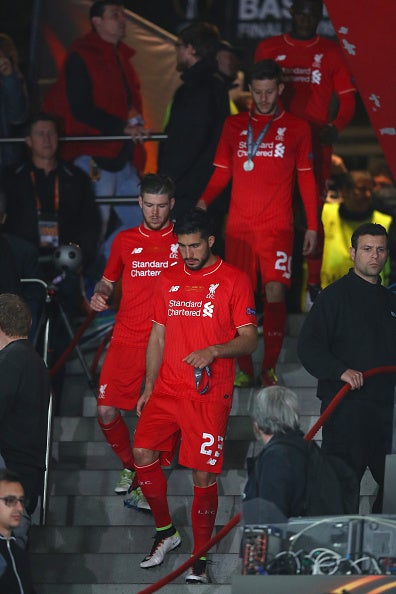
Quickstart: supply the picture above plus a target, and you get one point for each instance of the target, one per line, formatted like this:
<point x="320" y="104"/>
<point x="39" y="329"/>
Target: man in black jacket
<point x="15" y="576"/>
<point x="350" y="329"/>
<point x="198" y="110"/>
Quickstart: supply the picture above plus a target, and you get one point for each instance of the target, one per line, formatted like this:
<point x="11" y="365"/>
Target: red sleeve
<point x="115" y="265"/>
<point x="217" y="183"/>
<point x="242" y="301"/>
<point x="306" y="179"/>
<point x="346" y="109"/>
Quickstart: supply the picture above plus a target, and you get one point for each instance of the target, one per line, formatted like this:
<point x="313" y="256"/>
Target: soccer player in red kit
<point x="263" y="151"/>
<point x="138" y="256"/>
<point x="204" y="317"/>
<point x="315" y="73"/>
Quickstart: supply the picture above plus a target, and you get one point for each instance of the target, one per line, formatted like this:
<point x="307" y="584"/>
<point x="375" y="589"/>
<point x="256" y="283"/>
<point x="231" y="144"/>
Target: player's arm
<point x="244" y="343"/>
<point x="217" y="183"/>
<point x="155" y="349"/>
<point x="102" y="293"/>
<point x="346" y="109"/>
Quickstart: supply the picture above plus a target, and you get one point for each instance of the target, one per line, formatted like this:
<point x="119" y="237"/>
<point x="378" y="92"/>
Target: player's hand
<point x="142" y="402"/>
<point x="99" y="302"/>
<point x="137" y="132"/>
<point x="201" y="204"/>
<point x="5" y="66"/>
<point x="310" y="242"/>
<point x="200" y="358"/>
<point x="353" y="378"/>
<point x="328" y="135"/>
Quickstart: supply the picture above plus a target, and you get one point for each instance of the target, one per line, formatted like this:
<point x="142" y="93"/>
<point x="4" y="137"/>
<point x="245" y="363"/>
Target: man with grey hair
<point x="278" y="473"/>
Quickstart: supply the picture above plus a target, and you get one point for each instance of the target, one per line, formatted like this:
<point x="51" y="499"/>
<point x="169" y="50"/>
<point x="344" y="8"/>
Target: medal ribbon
<point x="253" y="148"/>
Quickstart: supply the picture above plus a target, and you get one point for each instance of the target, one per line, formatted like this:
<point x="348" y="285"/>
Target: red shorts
<point x="268" y="253"/>
<point x="121" y="377"/>
<point x="201" y="426"/>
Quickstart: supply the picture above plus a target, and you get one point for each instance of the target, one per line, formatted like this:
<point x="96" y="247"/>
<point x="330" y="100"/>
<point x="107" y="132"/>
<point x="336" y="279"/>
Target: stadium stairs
<point x="92" y="544"/>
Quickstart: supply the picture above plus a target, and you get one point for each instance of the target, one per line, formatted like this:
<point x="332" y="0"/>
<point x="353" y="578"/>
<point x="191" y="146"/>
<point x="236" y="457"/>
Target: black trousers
<point x="360" y="432"/>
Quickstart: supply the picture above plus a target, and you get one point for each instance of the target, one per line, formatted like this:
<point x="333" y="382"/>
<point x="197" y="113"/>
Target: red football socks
<point x="203" y="514"/>
<point x="152" y="482"/>
<point x="274" y="331"/>
<point x="117" y="436"/>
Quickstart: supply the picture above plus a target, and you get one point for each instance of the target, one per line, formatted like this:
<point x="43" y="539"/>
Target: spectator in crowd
<point x="137" y="256"/>
<point x="14" y="109"/>
<point x="203" y="317"/>
<point x="50" y="202"/>
<point x="15" y="574"/>
<point x="24" y="398"/>
<point x="262" y="152"/>
<point x="278" y="473"/>
<point x="382" y="176"/>
<point x="315" y="72"/>
<point x="351" y="329"/>
<point x="341" y="220"/>
<point x="19" y="260"/>
<point x="197" y="113"/>
<point x="228" y="60"/>
<point x="384" y="200"/>
<point x="98" y="93"/>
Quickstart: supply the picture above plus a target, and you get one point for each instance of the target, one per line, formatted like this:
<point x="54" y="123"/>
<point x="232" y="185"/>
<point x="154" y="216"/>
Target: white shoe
<point x="161" y="546"/>
<point x="135" y="499"/>
<point x="125" y="481"/>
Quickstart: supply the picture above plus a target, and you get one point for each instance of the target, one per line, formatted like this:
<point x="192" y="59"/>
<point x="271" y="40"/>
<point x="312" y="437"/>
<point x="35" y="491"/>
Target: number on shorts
<point x="209" y="441"/>
<point x="283" y="263"/>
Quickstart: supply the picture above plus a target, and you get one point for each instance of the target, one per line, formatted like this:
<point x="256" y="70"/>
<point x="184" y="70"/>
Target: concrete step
<point x="106" y="510"/>
<point x="121" y="568"/>
<point x="114" y="539"/>
<point x="93" y="482"/>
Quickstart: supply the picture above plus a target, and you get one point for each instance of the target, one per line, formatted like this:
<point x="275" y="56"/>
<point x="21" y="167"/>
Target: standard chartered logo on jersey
<point x="147" y="268"/>
<point x="196" y="309"/>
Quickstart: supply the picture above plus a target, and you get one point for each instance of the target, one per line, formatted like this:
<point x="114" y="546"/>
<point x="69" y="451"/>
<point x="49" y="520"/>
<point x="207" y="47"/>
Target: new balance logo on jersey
<point x="137" y="251"/>
<point x="207" y="311"/>
<point x="102" y="391"/>
<point x="279" y="150"/>
<point x="212" y="289"/>
<point x="317" y="63"/>
<point x="280" y="134"/>
<point x="280" y="58"/>
<point x="174" y="288"/>
<point x="174" y="253"/>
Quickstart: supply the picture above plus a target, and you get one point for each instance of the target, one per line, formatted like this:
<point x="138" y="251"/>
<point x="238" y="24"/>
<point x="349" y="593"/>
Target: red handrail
<point x="340" y="395"/>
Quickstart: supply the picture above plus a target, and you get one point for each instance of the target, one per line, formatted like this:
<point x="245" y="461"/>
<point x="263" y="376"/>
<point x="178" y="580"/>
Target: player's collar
<point x="149" y="232"/>
<point x="300" y="42"/>
<point x="205" y="271"/>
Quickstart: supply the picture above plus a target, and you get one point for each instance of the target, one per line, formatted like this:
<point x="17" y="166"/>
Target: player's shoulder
<point x="269" y="44"/>
<point x="289" y="119"/>
<point x="329" y="47"/>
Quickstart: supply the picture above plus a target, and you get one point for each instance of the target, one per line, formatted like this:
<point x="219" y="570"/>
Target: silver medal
<point x="248" y="165"/>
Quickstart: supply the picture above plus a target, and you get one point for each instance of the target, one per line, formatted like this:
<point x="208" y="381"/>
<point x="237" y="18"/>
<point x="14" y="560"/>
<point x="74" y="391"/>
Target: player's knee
<point x="107" y="414"/>
<point x="203" y="479"/>
<point x="144" y="457"/>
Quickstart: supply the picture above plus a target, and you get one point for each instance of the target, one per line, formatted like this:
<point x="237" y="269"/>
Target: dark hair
<point x="299" y="4"/>
<point x="266" y="70"/>
<point x="368" y="229"/>
<point x="8" y="476"/>
<point x="153" y="183"/>
<point x="204" y="38"/>
<point x="193" y="221"/>
<point x="42" y="117"/>
<point x="15" y="317"/>
<point x="97" y="9"/>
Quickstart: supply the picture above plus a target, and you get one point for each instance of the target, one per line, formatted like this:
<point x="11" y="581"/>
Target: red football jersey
<point x="263" y="197"/>
<point x="313" y="70"/>
<point x="138" y="256"/>
<point x="199" y="309"/>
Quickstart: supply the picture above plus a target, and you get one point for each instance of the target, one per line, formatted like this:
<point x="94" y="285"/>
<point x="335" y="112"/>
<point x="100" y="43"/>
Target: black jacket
<point x="199" y="108"/>
<point x="78" y="217"/>
<point x="278" y="473"/>
<point x="352" y="325"/>
<point x="15" y="575"/>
